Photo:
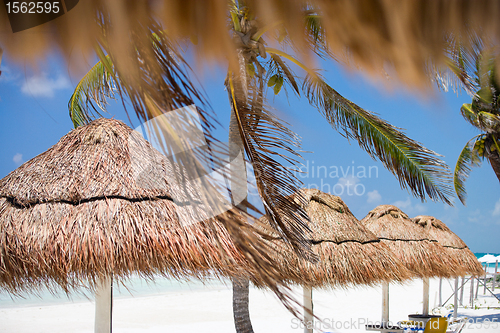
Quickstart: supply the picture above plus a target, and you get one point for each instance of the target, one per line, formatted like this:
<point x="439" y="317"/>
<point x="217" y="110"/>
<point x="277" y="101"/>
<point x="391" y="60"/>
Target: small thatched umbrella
<point x="349" y="254"/>
<point x="456" y="247"/>
<point x="413" y="245"/>
<point x="103" y="202"/>
<point x="467" y="262"/>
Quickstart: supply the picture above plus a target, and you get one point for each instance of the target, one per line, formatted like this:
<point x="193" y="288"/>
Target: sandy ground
<point x="209" y="310"/>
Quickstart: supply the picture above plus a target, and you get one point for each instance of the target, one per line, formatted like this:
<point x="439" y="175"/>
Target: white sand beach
<point x="193" y="308"/>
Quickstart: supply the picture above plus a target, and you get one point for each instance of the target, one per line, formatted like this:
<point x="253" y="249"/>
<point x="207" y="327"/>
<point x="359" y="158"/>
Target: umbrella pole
<point x="485" y="276"/>
<point x="462" y="292"/>
<point x="385" y="302"/>
<point x="455" y="299"/>
<point x="440" y="292"/>
<point x="308" y="310"/>
<point x="471" y="300"/>
<point x="495" y="276"/>
<point x="104" y="306"/>
<point x="425" y="310"/>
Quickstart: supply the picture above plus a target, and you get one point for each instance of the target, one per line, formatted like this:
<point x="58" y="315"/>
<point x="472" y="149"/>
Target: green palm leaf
<point x="94" y="89"/>
<point x="468" y="158"/>
<point x="416" y="167"/>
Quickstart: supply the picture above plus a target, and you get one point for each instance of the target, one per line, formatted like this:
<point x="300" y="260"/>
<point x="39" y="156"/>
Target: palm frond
<point x="488" y="121"/>
<point x="267" y="142"/>
<point x="468" y="158"/>
<point x="94" y="89"/>
<point x="315" y="34"/>
<point x="278" y="67"/>
<point x="416" y="167"/>
<point x="468" y="113"/>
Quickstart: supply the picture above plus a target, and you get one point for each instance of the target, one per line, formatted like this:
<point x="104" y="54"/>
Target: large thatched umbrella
<point x="103" y="202"/>
<point x="349" y="254"/>
<point x="456" y="247"/>
<point x="413" y="245"/>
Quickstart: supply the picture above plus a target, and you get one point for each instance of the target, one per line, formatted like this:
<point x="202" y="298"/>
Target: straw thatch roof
<point x="410" y="242"/>
<point x="456" y="247"/>
<point x="376" y="33"/>
<point x="103" y="201"/>
<point x="348" y="253"/>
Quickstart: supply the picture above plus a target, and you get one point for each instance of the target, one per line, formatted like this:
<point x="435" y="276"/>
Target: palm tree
<point x="475" y="68"/>
<point x="255" y="131"/>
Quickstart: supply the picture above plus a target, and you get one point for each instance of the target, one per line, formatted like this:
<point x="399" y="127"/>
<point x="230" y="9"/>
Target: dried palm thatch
<point x="410" y="242"/>
<point x="403" y="35"/>
<point x="455" y="246"/>
<point x="349" y="254"/>
<point x="94" y="205"/>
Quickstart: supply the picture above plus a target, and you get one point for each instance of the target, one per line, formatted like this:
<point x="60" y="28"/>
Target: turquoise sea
<point x="482" y="254"/>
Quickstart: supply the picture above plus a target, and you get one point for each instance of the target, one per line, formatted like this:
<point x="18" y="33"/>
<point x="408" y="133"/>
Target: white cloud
<point x="347" y="186"/>
<point x="18" y="159"/>
<point x="475" y="216"/>
<point x="43" y="86"/>
<point x="348" y="181"/>
<point x="409" y="208"/>
<point x="496" y="210"/>
<point x="374" y="197"/>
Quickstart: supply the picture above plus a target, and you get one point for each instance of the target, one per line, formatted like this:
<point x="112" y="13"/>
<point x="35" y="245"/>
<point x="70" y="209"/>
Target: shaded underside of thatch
<point x="348" y="253"/>
<point x="453" y="244"/>
<point x="68" y="245"/>
<point x="402" y="33"/>
<point x="342" y="265"/>
<point x="411" y="243"/>
<point x="377" y="33"/>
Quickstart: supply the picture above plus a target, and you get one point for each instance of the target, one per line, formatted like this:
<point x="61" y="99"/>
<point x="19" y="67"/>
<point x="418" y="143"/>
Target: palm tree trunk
<point x="241" y="313"/>
<point x="238" y="182"/>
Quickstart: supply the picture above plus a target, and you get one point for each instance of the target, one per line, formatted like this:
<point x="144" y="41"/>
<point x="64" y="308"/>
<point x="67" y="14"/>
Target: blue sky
<point x="33" y="116"/>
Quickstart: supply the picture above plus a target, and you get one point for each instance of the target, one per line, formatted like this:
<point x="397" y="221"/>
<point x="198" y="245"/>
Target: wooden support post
<point x="455" y="299"/>
<point x="477" y="287"/>
<point x="495" y="276"/>
<point x="308" y="315"/>
<point x="485" y="275"/>
<point x="462" y="292"/>
<point x="104" y="306"/>
<point x="440" y="292"/>
<point x="385" y="302"/>
<point x="425" y="309"/>
<point x="471" y="297"/>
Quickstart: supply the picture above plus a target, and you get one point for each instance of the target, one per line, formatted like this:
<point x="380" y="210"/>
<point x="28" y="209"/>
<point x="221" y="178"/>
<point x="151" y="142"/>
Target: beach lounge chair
<point x="457" y="325"/>
<point x="434" y="325"/>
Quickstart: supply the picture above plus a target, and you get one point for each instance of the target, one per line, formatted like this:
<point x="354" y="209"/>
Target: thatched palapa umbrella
<point x="103" y="202"/>
<point x="413" y="245"/>
<point x="466" y="261"/>
<point x="349" y="254"/>
<point x="456" y="247"/>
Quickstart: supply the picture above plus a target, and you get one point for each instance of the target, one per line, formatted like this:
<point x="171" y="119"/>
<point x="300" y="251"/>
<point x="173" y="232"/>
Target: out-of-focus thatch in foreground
<point x="103" y="201"/>
<point x="403" y="35"/>
<point x="410" y="242"/>
<point x="455" y="246"/>
<point x="348" y="253"/>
